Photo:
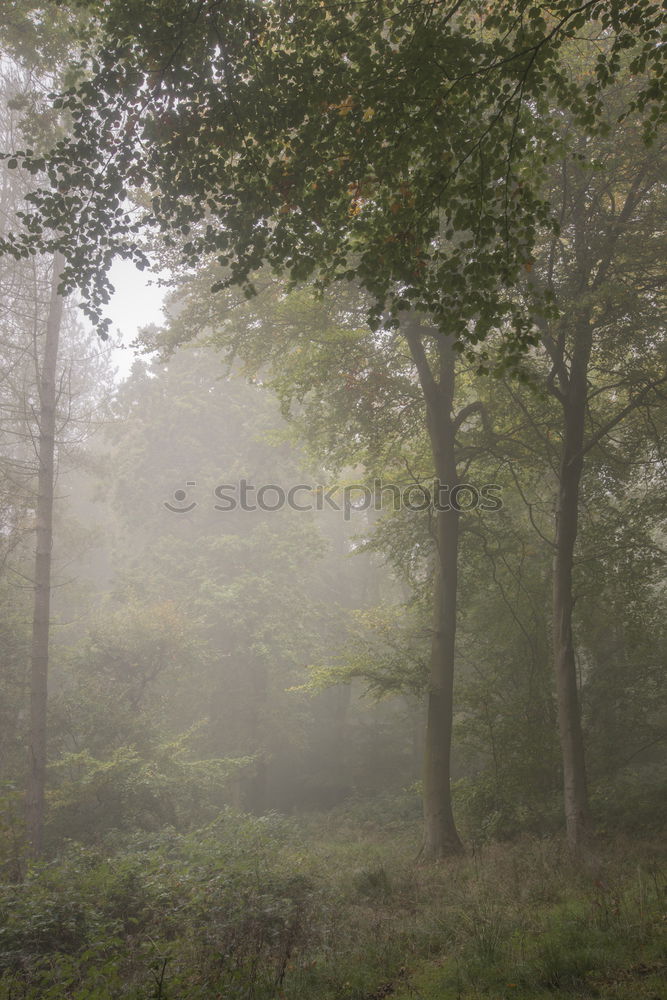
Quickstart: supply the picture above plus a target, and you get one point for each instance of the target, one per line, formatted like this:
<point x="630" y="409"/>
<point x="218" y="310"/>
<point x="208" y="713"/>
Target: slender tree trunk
<point x="440" y="835"/>
<point x="577" y="817"/>
<point x="42" y="580"/>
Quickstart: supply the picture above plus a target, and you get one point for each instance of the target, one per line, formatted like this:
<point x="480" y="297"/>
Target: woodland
<point x="332" y="609"/>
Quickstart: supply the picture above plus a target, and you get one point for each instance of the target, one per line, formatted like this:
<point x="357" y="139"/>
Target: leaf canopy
<point x="398" y="144"/>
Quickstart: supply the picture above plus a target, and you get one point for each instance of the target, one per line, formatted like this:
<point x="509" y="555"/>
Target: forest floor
<point x="330" y="909"/>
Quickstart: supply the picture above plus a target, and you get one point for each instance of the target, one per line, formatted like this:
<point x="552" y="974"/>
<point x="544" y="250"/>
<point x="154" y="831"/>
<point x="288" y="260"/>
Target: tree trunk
<point x="577" y="817"/>
<point x="440" y="835"/>
<point x="42" y="580"/>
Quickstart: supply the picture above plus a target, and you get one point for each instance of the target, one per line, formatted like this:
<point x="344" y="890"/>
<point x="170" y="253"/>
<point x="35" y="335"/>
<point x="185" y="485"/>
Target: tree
<point x="31" y="414"/>
<point x="393" y="144"/>
<point x="46" y="449"/>
<point x="41" y="414"/>
<point x="604" y="274"/>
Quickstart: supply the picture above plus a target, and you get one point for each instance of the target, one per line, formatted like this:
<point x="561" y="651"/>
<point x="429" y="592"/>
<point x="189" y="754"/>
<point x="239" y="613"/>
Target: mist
<point x="332" y="501"/>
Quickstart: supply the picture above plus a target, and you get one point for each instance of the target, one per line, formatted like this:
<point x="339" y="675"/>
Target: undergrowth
<point x="263" y="909"/>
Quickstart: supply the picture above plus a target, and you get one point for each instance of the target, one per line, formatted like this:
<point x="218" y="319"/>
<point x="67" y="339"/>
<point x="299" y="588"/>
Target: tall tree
<point x="46" y="453"/>
<point x="607" y="282"/>
<point x="37" y="389"/>
<point x="440" y="835"/>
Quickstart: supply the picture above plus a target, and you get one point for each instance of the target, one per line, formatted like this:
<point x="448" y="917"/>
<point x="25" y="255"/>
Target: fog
<point x="332" y="503"/>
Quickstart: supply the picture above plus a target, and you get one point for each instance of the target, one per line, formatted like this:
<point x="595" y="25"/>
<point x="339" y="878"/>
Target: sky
<point x="135" y="304"/>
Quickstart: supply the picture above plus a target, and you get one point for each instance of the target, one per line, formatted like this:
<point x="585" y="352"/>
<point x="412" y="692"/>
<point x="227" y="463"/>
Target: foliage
<point x="253" y="908"/>
<point x="161" y="785"/>
<point x="386" y="654"/>
<point x="392" y="144"/>
<point x="413" y="157"/>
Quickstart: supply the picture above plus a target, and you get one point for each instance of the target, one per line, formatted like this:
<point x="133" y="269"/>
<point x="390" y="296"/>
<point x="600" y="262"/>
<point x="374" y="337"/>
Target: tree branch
<point x="413" y="334"/>
<point x="467" y="411"/>
<point x="632" y="405"/>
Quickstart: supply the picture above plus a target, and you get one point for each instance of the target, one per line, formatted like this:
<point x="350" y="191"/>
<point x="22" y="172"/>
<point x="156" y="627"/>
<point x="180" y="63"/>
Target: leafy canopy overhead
<point x="397" y="144"/>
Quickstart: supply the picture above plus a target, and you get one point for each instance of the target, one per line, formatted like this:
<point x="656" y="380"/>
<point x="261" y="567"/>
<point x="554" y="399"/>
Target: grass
<point x="267" y="910"/>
